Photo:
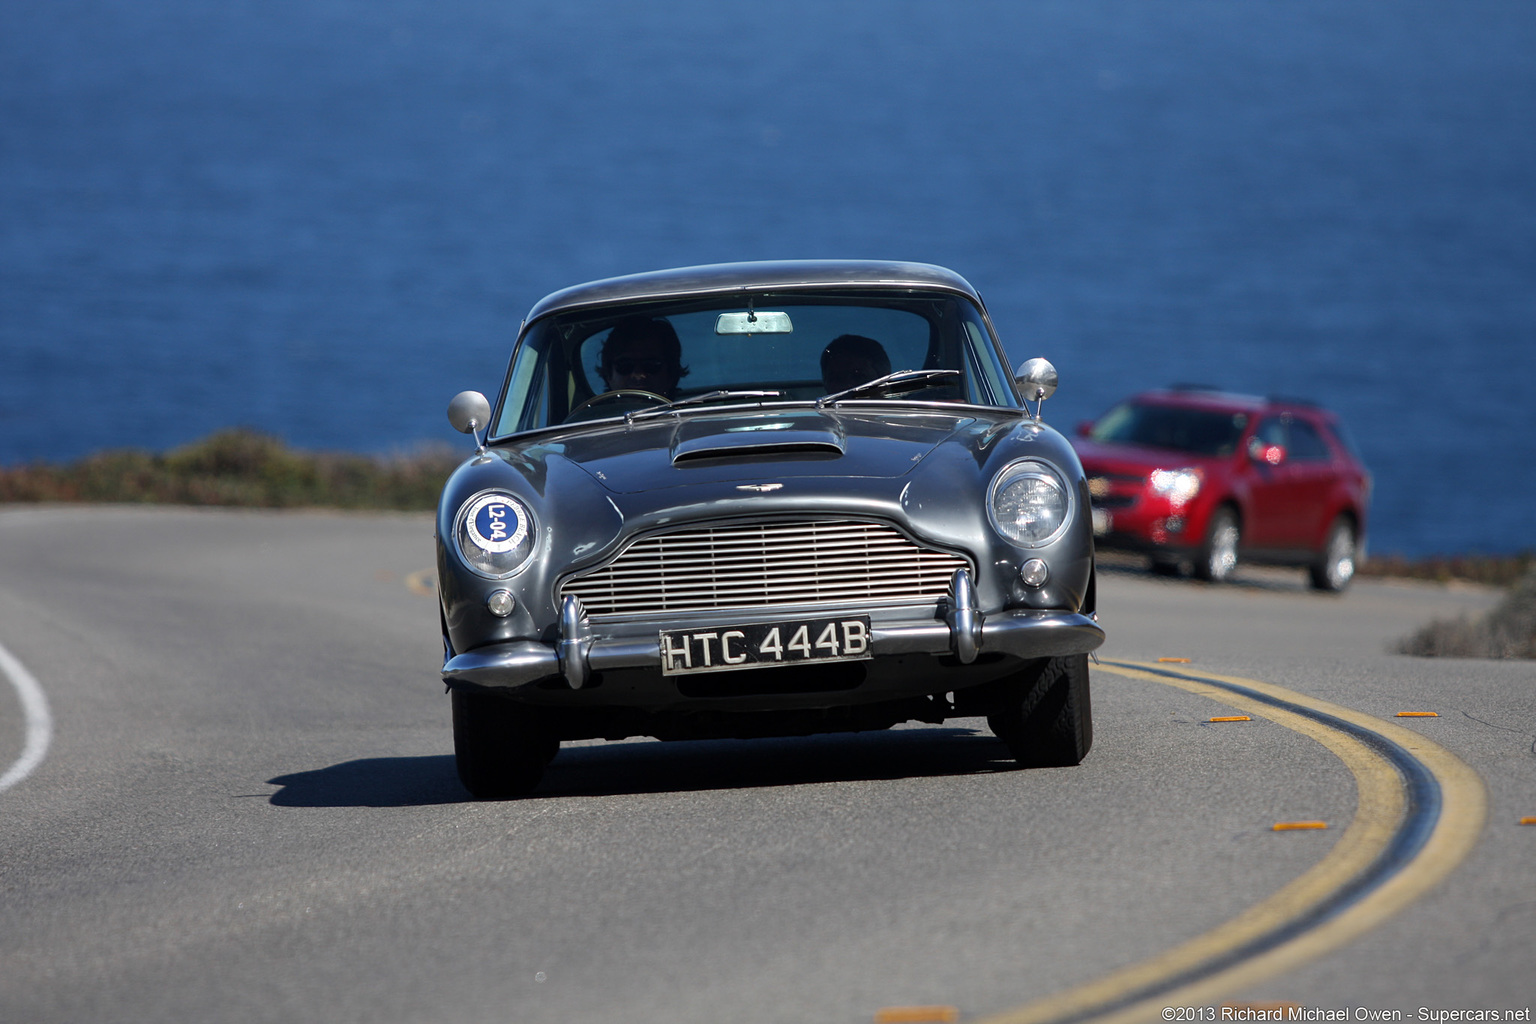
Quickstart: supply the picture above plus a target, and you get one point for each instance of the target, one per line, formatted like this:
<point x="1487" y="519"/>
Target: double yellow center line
<point x="1418" y="814"/>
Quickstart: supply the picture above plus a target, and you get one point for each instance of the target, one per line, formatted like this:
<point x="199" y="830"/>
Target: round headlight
<point x="1030" y="504"/>
<point x="495" y="534"/>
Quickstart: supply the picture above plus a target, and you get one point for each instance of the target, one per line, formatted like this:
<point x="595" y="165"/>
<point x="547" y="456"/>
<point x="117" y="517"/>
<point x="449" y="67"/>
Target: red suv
<point x="1197" y="476"/>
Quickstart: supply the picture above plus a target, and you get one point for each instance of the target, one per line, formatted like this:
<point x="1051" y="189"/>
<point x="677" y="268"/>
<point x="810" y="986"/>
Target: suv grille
<point x="766" y="564"/>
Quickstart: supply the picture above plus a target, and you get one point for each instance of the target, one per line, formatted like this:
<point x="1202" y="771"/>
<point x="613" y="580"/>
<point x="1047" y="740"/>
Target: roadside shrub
<point x="238" y="467"/>
<point x="1493" y="570"/>
<point x="1506" y="631"/>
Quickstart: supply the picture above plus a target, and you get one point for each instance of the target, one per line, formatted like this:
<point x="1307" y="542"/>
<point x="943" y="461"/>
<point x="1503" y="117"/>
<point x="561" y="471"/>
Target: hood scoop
<point x="760" y="439"/>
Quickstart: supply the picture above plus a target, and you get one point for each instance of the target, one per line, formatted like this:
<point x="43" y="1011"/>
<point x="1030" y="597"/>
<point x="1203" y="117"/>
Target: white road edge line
<point x="39" y="720"/>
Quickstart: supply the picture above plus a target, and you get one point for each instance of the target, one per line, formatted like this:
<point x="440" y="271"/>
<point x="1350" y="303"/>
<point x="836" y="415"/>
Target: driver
<point x="850" y="360"/>
<point x="641" y="354"/>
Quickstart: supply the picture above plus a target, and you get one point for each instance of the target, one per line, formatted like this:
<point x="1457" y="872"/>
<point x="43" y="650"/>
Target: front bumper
<point x="1150" y="524"/>
<point x="965" y="646"/>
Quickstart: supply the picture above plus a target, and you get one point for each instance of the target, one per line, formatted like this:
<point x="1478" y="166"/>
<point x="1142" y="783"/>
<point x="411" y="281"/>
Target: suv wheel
<point x="1335" y="565"/>
<point x="1217" y="559"/>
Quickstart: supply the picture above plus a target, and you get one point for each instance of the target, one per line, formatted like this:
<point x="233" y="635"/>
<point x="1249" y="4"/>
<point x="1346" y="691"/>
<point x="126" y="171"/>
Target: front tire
<point x="1335" y="565"/>
<point x="1045" y="716"/>
<point x="1217" y="560"/>
<point x="499" y="749"/>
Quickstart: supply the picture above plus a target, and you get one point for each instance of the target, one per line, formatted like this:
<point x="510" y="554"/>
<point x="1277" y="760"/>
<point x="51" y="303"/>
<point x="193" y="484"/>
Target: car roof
<point x="1197" y="396"/>
<point x="775" y="275"/>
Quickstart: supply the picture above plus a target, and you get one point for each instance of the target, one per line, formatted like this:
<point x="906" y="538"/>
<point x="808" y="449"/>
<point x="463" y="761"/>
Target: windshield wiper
<point x="891" y="384"/>
<point x="709" y="396"/>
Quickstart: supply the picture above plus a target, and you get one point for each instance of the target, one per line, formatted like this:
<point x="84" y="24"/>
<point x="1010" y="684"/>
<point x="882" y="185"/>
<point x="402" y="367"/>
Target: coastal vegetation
<point x="241" y="468"/>
<point x="250" y="469"/>
<point x="1508" y="630"/>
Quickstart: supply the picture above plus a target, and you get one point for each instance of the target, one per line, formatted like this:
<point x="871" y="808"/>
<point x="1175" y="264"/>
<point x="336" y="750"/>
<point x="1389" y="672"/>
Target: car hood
<point x="666" y="451"/>
<point x="1132" y="459"/>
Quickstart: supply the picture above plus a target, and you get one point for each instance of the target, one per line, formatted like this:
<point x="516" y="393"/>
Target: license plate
<point x="764" y="645"/>
<point x="1101" y="522"/>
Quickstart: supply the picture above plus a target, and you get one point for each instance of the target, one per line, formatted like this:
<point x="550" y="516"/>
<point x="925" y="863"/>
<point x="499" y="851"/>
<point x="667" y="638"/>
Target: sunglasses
<point x="627" y="367"/>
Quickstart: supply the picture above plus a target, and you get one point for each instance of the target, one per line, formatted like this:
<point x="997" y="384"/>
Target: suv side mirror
<point x="1269" y="454"/>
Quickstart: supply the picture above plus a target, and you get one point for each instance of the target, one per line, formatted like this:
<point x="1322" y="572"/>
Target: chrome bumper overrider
<point x="964" y="633"/>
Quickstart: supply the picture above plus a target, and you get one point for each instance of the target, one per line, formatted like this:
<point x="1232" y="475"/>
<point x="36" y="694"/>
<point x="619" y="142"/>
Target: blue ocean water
<point x="322" y="218"/>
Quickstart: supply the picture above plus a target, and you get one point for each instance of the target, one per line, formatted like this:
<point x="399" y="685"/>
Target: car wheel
<point x="499" y="752"/>
<point x="1218" y="555"/>
<point x="1046" y="719"/>
<point x="1335" y="565"/>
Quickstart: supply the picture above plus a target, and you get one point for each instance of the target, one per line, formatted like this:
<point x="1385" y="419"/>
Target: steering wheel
<point x="632" y="394"/>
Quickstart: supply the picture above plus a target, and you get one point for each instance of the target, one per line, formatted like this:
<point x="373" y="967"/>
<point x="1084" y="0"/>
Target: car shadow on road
<point x="373" y="782"/>
<point x="634" y="767"/>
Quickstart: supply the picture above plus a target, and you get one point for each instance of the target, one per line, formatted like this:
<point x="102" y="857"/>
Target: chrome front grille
<point x="766" y="564"/>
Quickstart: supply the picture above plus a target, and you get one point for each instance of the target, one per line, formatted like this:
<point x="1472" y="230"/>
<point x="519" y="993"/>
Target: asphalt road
<point x="229" y="796"/>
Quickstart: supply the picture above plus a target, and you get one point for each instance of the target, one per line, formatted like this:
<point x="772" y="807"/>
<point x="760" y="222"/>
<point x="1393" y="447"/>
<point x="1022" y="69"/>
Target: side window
<point x="986" y="370"/>
<point x="1306" y="444"/>
<point x="1342" y="438"/>
<point x="523" y="402"/>
<point x="1271" y="431"/>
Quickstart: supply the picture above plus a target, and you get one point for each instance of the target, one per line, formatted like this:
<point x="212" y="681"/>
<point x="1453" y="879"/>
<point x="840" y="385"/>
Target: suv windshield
<point x="1196" y="431"/>
<point x="798" y="346"/>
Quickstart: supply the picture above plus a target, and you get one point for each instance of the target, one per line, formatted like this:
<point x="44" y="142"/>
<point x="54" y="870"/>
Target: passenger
<point x="850" y="360"/>
<point x="641" y="354"/>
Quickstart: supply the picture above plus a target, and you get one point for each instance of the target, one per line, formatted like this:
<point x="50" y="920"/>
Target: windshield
<point x="1196" y="431"/>
<point x="785" y="347"/>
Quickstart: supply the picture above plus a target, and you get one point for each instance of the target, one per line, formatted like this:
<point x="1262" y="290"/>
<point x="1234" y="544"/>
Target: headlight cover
<point x="1029" y="504"/>
<point x="495" y="534"/>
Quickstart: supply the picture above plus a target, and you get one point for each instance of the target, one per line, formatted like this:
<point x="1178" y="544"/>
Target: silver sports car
<point x="762" y="499"/>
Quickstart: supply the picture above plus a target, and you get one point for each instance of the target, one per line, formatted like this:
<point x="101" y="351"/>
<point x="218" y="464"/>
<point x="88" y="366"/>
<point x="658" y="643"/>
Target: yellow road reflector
<point x="917" y="1015"/>
<point x="1418" y="714"/>
<point x="1174" y="661"/>
<point x="422" y="582"/>
<point x="1296" y="826"/>
<point x="1230" y="718"/>
<point x="1528" y="821"/>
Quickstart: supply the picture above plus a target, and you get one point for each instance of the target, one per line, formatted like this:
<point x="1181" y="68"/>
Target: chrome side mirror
<point x="1037" y="379"/>
<point x="470" y="413"/>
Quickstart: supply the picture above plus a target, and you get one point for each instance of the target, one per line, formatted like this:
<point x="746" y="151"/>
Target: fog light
<point x="1034" y="573"/>
<point x="500" y="603"/>
<point x="1175" y="524"/>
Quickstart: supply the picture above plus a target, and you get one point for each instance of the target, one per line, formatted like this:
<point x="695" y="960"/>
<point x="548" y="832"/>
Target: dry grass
<point x="237" y="467"/>
<point x="1507" y="631"/>
<point x="1492" y="570"/>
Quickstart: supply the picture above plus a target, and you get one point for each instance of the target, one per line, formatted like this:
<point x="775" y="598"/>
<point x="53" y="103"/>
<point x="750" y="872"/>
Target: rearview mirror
<point x="753" y="323"/>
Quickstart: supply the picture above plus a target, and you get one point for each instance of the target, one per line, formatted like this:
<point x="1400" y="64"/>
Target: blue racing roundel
<point x="496" y="523"/>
